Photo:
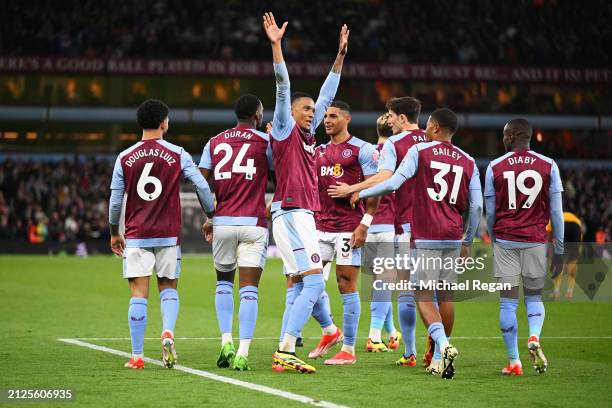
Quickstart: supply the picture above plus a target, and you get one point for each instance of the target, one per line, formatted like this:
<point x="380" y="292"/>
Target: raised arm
<point x="282" y="121"/>
<point x="330" y="86"/>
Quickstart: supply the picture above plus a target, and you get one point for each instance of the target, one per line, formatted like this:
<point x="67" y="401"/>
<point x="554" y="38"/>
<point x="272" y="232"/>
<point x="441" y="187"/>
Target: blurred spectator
<point x="65" y="203"/>
<point x="479" y="31"/>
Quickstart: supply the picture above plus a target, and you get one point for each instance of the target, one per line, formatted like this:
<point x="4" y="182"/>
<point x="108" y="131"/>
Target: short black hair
<point x="246" y="106"/>
<point x="298" y="95"/>
<point x="520" y="127"/>
<point x="340" y="105"/>
<point x="151" y="113"/>
<point x="383" y="128"/>
<point x="446" y="118"/>
<point x="405" y="105"/>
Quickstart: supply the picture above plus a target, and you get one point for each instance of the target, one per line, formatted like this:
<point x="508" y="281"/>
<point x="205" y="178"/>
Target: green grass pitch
<point x="43" y="299"/>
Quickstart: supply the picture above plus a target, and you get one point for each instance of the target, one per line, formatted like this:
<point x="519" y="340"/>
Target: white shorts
<point x="166" y="261"/>
<point x="242" y="246"/>
<point x="338" y="244"/>
<point x="295" y="235"/>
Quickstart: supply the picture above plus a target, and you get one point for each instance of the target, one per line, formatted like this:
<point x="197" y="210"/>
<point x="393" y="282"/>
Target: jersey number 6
<point x="145" y="179"/>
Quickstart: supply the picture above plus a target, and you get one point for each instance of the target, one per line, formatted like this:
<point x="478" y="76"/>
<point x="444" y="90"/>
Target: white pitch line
<point x="317" y="338"/>
<point x="211" y="376"/>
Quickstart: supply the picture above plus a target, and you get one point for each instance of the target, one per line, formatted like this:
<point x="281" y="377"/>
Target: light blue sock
<point x="378" y="314"/>
<point x="224" y="304"/>
<point x="406" y="312"/>
<point x="351" y="306"/>
<point x="389" y="323"/>
<point x="304" y="302"/>
<point x="169" y="302"/>
<point x="437" y="355"/>
<point x="289" y="299"/>
<point x="509" y="326"/>
<point x="321" y="311"/>
<point x="436" y="331"/>
<point x="535" y="314"/>
<point x="137" y="320"/>
<point x="247" y="315"/>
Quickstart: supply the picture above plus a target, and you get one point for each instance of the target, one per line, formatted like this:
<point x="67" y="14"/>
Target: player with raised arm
<point x="522" y="191"/>
<point x="404" y="118"/>
<point x="343" y="229"/>
<point x="381" y="236"/>
<point x="237" y="161"/>
<point x="149" y="173"/>
<point x="296" y="197"/>
<point x="448" y="179"/>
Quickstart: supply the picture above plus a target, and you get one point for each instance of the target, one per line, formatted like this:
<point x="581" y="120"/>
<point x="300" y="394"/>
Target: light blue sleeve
<point x="117" y="189"/>
<point x="206" y="159"/>
<point x="489" y="193"/>
<point x="191" y="172"/>
<point x="410" y="163"/>
<point x="556" y="219"/>
<point x="475" y="198"/>
<point x="388" y="157"/>
<point x="386" y="187"/>
<point x="326" y="96"/>
<point x="282" y="123"/>
<point x="489" y="187"/>
<point x="555" y="180"/>
<point x="269" y="156"/>
<point x="490" y="207"/>
<point x="369" y="166"/>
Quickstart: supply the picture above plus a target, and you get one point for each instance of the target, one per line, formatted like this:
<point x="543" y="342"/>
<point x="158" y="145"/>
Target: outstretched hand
<point x="343" y="44"/>
<point x="274" y="33"/>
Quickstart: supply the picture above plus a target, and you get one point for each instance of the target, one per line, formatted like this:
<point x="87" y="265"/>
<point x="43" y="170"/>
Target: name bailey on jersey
<point x="139" y="154"/>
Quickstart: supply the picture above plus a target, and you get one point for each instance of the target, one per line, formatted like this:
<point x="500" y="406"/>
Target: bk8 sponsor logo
<point x="335" y="171"/>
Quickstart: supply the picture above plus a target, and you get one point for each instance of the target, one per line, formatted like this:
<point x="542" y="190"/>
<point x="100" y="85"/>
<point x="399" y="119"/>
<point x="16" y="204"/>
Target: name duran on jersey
<point x="145" y="153"/>
<point x="241" y="159"/>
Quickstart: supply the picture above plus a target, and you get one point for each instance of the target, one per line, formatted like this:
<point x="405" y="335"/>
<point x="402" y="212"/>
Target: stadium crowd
<point x="66" y="202"/>
<point x="533" y="32"/>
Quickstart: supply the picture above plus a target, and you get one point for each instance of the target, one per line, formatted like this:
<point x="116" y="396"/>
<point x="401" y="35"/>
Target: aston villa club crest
<point x="346" y="153"/>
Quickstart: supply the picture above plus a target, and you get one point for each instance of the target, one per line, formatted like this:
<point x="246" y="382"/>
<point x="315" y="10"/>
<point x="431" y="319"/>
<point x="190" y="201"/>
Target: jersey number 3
<point x="249" y="170"/>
